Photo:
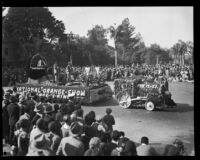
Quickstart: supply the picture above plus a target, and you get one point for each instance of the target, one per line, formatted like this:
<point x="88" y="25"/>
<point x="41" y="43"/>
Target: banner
<point x="54" y="91"/>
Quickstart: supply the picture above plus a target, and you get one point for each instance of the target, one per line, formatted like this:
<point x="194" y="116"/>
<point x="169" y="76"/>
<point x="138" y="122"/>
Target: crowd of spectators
<point x="35" y="126"/>
<point x="13" y="75"/>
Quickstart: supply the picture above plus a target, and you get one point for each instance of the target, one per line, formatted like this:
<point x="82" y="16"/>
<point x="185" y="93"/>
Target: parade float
<point x="138" y="92"/>
<point x="90" y="89"/>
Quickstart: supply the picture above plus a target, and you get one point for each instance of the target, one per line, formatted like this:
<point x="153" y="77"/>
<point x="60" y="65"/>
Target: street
<point x="162" y="127"/>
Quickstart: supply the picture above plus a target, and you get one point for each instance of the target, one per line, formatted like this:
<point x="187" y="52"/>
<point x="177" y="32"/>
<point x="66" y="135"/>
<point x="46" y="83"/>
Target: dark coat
<point x="13" y="111"/>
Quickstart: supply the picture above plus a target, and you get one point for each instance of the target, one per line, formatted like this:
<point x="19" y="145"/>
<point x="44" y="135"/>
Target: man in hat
<point x="39" y="109"/>
<point x="48" y="114"/>
<point x="72" y="145"/>
<point x="13" y="112"/>
<point x="145" y="149"/>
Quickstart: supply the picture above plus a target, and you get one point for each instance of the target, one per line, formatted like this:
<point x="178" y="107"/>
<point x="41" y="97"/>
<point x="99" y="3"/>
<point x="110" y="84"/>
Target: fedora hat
<point x="76" y="129"/>
<point x="39" y="108"/>
<point x="48" y="108"/>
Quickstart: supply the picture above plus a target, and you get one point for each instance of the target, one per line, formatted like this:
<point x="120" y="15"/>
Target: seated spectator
<point x="145" y="149"/>
<point x="72" y="145"/>
<point x="175" y="149"/>
<point x="53" y="136"/>
<point x="125" y="147"/>
<point x="94" y="147"/>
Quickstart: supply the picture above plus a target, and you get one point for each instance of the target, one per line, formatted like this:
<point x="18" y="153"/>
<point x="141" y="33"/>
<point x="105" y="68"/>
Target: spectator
<point x="79" y="118"/>
<point x="5" y="116"/>
<point x="53" y="137"/>
<point x="13" y="112"/>
<point x="175" y="149"/>
<point x="40" y="147"/>
<point x="21" y="138"/>
<point x="66" y="126"/>
<point x="99" y="126"/>
<point x="90" y="118"/>
<point x="39" y="109"/>
<point x="72" y="145"/>
<point x="145" y="149"/>
<point x="94" y="147"/>
<point x="125" y="147"/>
<point x="109" y="119"/>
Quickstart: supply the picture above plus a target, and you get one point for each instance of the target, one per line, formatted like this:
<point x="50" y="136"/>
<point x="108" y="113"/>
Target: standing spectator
<point x="40" y="147"/>
<point x="99" y="126"/>
<point x="53" y="136"/>
<point x="79" y="118"/>
<point x="21" y="138"/>
<point x="90" y="118"/>
<point x="39" y="114"/>
<point x="109" y="119"/>
<point x="13" y="112"/>
<point x="72" y="145"/>
<point x="66" y="126"/>
<point x="5" y="116"/>
<point x="145" y="149"/>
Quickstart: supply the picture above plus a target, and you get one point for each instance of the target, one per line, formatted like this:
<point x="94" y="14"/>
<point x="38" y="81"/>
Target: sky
<point x="161" y="25"/>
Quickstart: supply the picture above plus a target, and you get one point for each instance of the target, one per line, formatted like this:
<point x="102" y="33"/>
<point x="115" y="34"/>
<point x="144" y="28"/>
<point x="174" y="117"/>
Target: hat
<point x="94" y="142"/>
<point x="10" y="91"/>
<point x="76" y="129"/>
<point x="71" y="95"/>
<point x="39" y="108"/>
<point x="48" y="108"/>
<point x="7" y="95"/>
<point x="108" y="110"/>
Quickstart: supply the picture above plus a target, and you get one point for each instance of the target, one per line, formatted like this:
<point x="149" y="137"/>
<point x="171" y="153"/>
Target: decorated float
<point x="138" y="92"/>
<point x="90" y="89"/>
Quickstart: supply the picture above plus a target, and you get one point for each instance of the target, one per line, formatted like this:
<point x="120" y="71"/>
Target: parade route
<point x="162" y="127"/>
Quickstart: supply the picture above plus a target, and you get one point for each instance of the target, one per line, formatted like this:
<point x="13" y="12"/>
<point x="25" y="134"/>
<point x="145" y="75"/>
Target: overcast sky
<point x="161" y="25"/>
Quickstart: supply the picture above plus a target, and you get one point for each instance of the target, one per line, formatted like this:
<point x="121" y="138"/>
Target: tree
<point x="190" y="50"/>
<point x="126" y="41"/>
<point x="30" y="26"/>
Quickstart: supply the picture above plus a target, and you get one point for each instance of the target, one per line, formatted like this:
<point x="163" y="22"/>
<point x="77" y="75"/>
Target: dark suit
<point x="13" y="112"/>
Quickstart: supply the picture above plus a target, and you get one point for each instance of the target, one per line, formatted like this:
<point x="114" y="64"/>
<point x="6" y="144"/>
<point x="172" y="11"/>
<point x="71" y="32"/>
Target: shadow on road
<point x="181" y="107"/>
<point x="110" y="102"/>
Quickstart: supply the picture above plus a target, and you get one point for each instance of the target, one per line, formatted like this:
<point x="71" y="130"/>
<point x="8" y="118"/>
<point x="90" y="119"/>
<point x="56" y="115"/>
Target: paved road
<point x="161" y="127"/>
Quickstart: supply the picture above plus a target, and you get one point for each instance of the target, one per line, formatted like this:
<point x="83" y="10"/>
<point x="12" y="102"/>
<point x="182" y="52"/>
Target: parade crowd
<point x="37" y="126"/>
<point x="13" y="75"/>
